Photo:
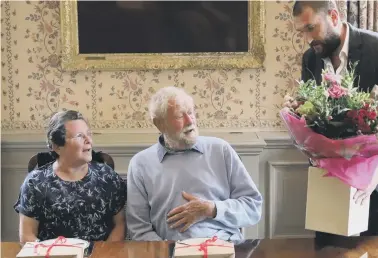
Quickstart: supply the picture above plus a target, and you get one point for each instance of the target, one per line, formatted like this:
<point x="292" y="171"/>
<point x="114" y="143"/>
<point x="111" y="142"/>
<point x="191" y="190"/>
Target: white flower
<point x="326" y="93"/>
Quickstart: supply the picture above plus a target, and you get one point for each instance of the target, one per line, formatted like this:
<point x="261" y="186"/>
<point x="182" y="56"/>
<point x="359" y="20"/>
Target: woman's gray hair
<point x="158" y="105"/>
<point x="56" y="130"/>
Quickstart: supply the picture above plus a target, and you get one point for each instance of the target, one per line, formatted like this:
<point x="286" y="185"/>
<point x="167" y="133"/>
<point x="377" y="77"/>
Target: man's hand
<point x="290" y="102"/>
<point x="361" y="196"/>
<point x="190" y="213"/>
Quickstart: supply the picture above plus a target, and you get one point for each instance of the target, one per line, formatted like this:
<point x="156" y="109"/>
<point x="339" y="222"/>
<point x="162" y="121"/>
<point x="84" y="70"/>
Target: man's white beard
<point x="182" y="141"/>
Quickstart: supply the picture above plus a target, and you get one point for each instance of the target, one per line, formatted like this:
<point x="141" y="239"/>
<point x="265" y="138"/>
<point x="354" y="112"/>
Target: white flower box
<point x="330" y="207"/>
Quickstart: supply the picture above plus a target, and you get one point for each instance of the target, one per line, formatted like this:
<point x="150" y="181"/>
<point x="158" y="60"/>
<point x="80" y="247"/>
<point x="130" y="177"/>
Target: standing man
<point x="334" y="46"/>
<point x="185" y="185"/>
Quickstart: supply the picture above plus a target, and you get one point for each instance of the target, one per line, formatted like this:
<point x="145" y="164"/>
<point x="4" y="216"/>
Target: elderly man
<point x="187" y="186"/>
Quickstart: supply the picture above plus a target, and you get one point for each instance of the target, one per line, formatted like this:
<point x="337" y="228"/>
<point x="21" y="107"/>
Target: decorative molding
<point x="277" y="140"/>
<point x="279" y="143"/>
<point x="272" y="212"/>
<point x="123" y="174"/>
<point x="128" y="144"/>
<point x="27" y="146"/>
<point x="234" y="122"/>
<point x="14" y="168"/>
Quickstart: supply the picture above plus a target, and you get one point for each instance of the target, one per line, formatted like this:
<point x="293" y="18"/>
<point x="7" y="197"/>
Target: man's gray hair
<point x="159" y="101"/>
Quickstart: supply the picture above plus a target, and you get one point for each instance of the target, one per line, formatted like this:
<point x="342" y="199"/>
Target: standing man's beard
<point x="326" y="48"/>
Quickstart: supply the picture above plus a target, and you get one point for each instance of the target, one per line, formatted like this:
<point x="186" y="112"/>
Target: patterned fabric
<point x="342" y="5"/>
<point x="82" y="209"/>
<point x="361" y="14"/>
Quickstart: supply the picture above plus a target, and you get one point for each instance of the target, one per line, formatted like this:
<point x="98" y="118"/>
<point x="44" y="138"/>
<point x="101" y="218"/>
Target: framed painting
<point x="124" y="35"/>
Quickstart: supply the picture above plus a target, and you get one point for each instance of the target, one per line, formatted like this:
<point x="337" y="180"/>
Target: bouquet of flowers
<point x="335" y="125"/>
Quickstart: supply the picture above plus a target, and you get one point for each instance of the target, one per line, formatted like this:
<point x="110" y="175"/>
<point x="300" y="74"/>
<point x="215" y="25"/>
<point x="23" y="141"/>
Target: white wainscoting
<point x="287" y="183"/>
<point x="278" y="169"/>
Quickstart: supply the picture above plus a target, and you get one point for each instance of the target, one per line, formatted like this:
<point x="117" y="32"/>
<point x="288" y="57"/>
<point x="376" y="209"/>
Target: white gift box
<point x="330" y="207"/>
<point x="68" y="248"/>
<point x="216" y="248"/>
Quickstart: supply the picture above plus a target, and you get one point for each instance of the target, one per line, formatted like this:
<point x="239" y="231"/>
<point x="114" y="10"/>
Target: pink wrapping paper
<point x="352" y="160"/>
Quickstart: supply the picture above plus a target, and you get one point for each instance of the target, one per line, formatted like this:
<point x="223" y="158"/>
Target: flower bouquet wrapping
<point x="335" y="125"/>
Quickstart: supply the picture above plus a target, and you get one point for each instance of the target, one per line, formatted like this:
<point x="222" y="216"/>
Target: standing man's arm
<point x="138" y="219"/>
<point x="308" y="66"/>
<point x="304" y="76"/>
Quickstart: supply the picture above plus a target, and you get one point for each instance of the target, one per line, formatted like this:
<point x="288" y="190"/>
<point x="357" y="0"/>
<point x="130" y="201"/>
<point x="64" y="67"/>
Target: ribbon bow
<point x="60" y="241"/>
<point x="204" y="245"/>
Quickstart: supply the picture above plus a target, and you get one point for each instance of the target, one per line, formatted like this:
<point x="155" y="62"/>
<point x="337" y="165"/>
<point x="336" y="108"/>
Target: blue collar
<point x="162" y="150"/>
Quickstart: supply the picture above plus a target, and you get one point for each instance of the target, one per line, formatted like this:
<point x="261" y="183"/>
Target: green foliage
<point x="327" y="106"/>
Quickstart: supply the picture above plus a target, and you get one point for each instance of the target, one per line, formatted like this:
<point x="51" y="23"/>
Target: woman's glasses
<point x="82" y="136"/>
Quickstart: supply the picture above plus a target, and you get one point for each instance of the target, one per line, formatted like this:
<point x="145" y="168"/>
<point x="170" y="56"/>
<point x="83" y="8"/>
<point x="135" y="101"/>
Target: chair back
<point x="33" y="162"/>
<point x="43" y="158"/>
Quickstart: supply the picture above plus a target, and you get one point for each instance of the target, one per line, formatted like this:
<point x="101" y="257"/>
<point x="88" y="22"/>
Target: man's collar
<point x="162" y="150"/>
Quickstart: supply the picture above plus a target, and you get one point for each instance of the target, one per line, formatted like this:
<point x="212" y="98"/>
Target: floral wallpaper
<point x="34" y="85"/>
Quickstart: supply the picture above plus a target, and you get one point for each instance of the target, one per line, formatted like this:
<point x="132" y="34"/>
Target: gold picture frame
<point x="73" y="60"/>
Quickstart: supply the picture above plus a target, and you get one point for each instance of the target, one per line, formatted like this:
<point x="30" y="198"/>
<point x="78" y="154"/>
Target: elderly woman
<point x="73" y="196"/>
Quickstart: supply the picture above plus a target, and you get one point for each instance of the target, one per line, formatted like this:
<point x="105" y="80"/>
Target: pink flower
<point x="336" y="91"/>
<point x="332" y="78"/>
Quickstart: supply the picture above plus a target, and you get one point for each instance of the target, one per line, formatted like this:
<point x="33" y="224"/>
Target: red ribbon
<point x="203" y="246"/>
<point x="60" y="241"/>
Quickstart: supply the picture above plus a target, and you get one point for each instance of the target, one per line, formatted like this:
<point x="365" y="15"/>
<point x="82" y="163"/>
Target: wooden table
<point x="354" y="247"/>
